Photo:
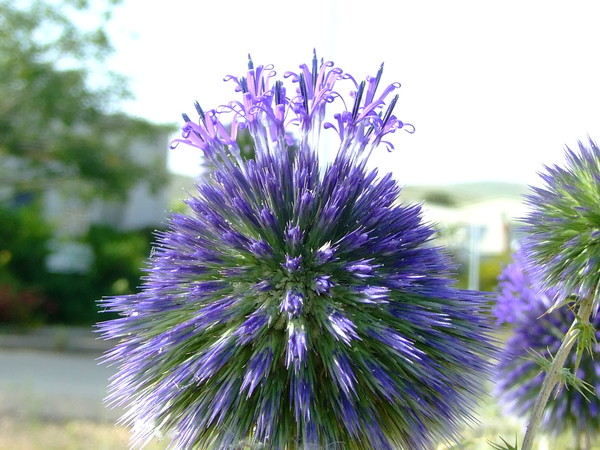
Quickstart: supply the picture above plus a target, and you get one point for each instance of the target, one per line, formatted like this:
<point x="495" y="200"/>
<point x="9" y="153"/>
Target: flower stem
<point x="554" y="371"/>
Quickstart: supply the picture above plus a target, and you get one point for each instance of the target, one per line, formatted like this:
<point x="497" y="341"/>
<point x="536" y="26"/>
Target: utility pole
<point x="475" y="234"/>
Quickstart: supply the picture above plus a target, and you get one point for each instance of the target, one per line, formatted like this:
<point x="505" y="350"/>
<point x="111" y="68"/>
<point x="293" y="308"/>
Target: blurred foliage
<point x="21" y="306"/>
<point x="23" y="242"/>
<point x="54" y="123"/>
<point x="439" y="197"/>
<point x="31" y="294"/>
<point x="23" y="251"/>
<point x="455" y="239"/>
<point x="490" y="268"/>
<point x="59" y="125"/>
<point x="118" y="257"/>
<point x="116" y="270"/>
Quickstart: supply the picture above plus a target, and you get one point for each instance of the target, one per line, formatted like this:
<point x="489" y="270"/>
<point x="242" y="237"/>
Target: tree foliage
<point x="54" y="122"/>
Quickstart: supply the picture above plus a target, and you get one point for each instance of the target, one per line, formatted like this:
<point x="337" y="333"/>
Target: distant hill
<point x="457" y="194"/>
<point x="448" y="195"/>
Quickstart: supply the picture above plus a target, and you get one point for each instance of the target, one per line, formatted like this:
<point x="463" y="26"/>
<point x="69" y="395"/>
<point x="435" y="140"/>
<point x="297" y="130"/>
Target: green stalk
<point x="553" y="375"/>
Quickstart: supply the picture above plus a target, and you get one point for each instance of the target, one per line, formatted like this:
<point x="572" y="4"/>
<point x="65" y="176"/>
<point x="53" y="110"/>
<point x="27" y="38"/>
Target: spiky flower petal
<point x="295" y="308"/>
<point x="535" y="333"/>
<point x="563" y="228"/>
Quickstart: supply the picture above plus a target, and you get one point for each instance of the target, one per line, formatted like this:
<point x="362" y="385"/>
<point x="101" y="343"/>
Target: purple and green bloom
<point x="521" y="304"/>
<point x="563" y="228"/>
<point x="298" y="305"/>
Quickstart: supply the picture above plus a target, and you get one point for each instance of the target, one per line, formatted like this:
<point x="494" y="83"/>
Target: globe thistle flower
<point x="536" y="333"/>
<point x="293" y="307"/>
<point x="516" y="298"/>
<point x="563" y="228"/>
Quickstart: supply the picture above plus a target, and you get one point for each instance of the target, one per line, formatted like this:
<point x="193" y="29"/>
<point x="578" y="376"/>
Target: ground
<point x="52" y="400"/>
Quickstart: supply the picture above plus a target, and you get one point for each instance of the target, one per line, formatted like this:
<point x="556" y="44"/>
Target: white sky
<point x="494" y="89"/>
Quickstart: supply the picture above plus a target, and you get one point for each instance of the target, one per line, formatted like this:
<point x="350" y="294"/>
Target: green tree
<point x="54" y="124"/>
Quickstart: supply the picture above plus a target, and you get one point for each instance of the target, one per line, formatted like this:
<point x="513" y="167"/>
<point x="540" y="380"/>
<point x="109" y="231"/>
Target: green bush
<point x="30" y="294"/>
<point x="21" y="306"/>
<point x="24" y="241"/>
<point x="24" y="238"/>
<point x="118" y="257"/>
<point x="489" y="270"/>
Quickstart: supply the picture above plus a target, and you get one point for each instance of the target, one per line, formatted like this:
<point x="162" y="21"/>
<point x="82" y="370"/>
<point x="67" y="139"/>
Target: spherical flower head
<point x="563" y="228"/>
<point x="535" y="332"/>
<point x="516" y="297"/>
<point x="293" y="307"/>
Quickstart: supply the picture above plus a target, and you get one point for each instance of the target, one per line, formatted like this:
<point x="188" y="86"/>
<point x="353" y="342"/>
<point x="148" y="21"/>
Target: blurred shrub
<point x="23" y="249"/>
<point x="21" y="306"/>
<point x="24" y="238"/>
<point x="490" y="269"/>
<point x="118" y="255"/>
<point x="116" y="269"/>
<point x="30" y="294"/>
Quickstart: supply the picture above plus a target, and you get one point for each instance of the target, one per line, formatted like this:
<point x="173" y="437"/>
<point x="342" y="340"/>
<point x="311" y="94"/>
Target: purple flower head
<point x="342" y="328"/>
<point x="251" y="327"/>
<point x="258" y="368"/>
<point x="259" y="248"/>
<point x="562" y="228"/>
<point x="325" y="253"/>
<point x="516" y="295"/>
<point x="294" y="235"/>
<point x="292" y="264"/>
<point x="292" y="303"/>
<point x="322" y="284"/>
<point x="519" y="375"/>
<point x="374" y="294"/>
<point x="296" y="346"/>
<point x="298" y="304"/>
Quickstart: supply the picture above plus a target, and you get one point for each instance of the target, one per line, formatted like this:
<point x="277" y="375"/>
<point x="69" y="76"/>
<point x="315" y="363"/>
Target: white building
<point x="478" y="222"/>
<point x="72" y="214"/>
<point x="491" y="210"/>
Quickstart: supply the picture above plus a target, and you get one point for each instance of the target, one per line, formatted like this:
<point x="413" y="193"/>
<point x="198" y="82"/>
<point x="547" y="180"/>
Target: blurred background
<point x="91" y="95"/>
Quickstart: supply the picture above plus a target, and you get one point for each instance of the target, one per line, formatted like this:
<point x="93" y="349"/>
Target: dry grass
<point x="31" y="433"/>
<point x="69" y="435"/>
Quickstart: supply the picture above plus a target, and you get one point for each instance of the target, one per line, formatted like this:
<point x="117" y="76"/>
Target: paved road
<point x="53" y="386"/>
